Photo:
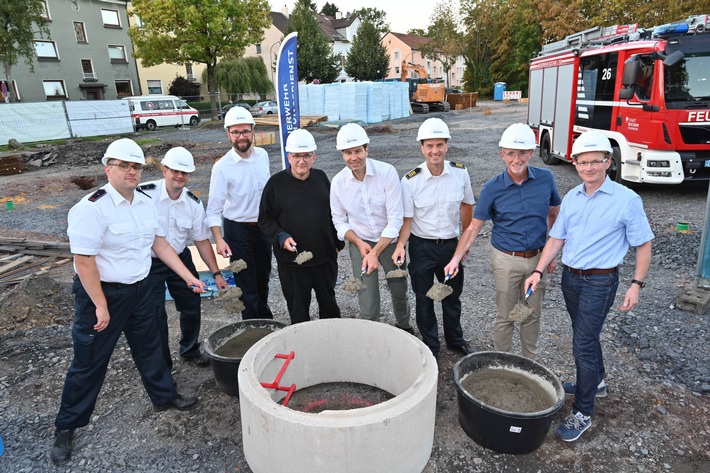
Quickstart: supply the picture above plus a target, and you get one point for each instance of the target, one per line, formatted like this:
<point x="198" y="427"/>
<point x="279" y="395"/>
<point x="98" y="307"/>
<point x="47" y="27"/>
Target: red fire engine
<point x="648" y="91"/>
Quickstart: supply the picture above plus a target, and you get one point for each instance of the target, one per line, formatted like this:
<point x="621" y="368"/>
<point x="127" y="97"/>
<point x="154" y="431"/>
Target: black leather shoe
<point x="62" y="448"/>
<point x="464" y="349"/>
<point x="200" y="360"/>
<point x="409" y="330"/>
<point x="181" y="403"/>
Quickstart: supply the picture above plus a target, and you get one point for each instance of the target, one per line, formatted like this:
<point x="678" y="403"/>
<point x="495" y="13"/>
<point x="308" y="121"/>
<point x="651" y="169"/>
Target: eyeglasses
<point x="242" y="133"/>
<point x="126" y="166"/>
<point x="594" y="164"/>
<point x="301" y="157"/>
<point x="516" y="154"/>
<point x="177" y="172"/>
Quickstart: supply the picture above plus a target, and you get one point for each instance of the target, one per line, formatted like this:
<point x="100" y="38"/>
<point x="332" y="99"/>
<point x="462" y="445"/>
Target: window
<point x="110" y="18"/>
<point x="80" y="32"/>
<point x="54" y="89"/>
<point x="155" y="87"/>
<point x="258" y="48"/>
<point x="88" y="69"/>
<point x="45" y="10"/>
<point x="5" y="91"/>
<point x="396" y="69"/>
<point x="188" y="71"/>
<point x="117" y="53"/>
<point x="157" y="105"/>
<point x="46" y="50"/>
<point x="124" y="88"/>
<point x="396" y="55"/>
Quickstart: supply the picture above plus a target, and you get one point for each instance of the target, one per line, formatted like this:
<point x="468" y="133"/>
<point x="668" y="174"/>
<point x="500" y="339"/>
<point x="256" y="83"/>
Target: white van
<point x="151" y="111"/>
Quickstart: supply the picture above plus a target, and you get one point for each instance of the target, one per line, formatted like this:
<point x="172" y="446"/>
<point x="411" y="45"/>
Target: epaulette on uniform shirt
<point x="140" y="189"/>
<point x="97" y="195"/>
<point x="457" y="165"/>
<point x="146" y="187"/>
<point x="413" y="172"/>
<point x="193" y="197"/>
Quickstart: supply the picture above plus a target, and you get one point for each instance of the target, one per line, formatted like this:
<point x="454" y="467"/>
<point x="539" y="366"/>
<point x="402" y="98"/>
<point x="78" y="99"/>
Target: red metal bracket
<point x="275" y="384"/>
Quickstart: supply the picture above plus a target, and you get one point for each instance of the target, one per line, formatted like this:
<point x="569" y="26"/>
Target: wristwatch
<point x="216" y="273"/>
<point x="641" y="284"/>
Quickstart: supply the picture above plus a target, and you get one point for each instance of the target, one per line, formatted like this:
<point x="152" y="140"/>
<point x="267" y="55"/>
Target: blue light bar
<point x="665" y="30"/>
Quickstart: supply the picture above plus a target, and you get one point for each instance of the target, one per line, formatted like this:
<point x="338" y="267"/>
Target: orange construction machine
<point x="423" y="95"/>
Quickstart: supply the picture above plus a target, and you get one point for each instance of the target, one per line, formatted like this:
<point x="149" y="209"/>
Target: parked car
<point x="269" y="107"/>
<point x="152" y="111"/>
<point x="226" y="107"/>
<point x="453" y="90"/>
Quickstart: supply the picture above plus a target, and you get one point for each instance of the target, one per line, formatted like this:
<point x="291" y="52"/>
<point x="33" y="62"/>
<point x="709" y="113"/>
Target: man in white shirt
<point x="236" y="185"/>
<point x="366" y="204"/>
<point x="182" y="218"/>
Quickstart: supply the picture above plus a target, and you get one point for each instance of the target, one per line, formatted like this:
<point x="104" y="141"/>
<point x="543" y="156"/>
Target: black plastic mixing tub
<point x="225" y="368"/>
<point x="499" y="430"/>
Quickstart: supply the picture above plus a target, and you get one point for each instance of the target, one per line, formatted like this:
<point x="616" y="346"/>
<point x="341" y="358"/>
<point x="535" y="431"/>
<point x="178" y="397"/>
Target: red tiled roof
<point x="413" y="41"/>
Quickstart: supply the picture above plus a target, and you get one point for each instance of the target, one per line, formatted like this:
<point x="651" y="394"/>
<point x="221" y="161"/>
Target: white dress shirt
<point x="236" y="186"/>
<point x="119" y="233"/>
<point x="371" y="208"/>
<point x="182" y="219"/>
<point x="433" y="202"/>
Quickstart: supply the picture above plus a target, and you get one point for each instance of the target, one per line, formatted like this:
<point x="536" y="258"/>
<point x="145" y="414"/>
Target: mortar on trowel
<point x="521" y="311"/>
<point x="440" y="291"/>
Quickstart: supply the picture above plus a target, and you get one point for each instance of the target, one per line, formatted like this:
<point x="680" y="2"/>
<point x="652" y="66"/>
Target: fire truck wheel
<point x="193" y="121"/>
<point x="615" y="168"/>
<point x="546" y="151"/>
<point x="150" y="125"/>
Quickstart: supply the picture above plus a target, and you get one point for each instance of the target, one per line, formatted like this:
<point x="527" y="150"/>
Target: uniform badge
<point x="413" y="172"/>
<point x="193" y="197"/>
<point x="97" y="195"/>
<point x="457" y="165"/>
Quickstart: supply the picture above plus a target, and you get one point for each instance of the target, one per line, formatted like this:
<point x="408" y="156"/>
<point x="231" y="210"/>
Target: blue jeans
<point x="588" y="299"/>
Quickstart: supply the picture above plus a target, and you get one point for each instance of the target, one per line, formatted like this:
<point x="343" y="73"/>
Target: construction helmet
<point x="238" y="116"/>
<point x="433" y="128"/>
<point x="590" y="141"/>
<point x="179" y="159"/>
<point x="124" y="149"/>
<point x="351" y="135"/>
<point x="518" y="136"/>
<point x="300" y="141"/>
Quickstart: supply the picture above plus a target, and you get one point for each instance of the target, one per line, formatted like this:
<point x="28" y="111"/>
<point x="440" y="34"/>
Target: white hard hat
<point x="590" y="141"/>
<point x="179" y="159"/>
<point x="124" y="149"/>
<point x="518" y="136"/>
<point x="351" y="135"/>
<point x="238" y="116"/>
<point x="300" y="141"/>
<point x="433" y="128"/>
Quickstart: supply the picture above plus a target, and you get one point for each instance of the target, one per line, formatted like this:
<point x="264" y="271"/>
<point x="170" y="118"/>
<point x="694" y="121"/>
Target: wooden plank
<point x="10" y="266"/>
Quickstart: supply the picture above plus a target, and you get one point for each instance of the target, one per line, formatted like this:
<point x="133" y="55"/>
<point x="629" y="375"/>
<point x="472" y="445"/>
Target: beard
<point x="242" y="146"/>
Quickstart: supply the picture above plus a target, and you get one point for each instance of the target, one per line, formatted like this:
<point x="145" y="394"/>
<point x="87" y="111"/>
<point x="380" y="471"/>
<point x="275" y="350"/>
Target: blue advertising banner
<point x="287" y="91"/>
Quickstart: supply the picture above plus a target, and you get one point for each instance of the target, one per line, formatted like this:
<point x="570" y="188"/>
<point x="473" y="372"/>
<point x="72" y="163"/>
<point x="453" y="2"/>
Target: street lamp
<point x="271" y="58"/>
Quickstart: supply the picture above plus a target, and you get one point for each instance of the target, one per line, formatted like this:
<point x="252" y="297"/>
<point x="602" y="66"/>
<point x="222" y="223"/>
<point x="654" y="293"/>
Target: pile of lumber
<point x="21" y="258"/>
<point x="306" y="120"/>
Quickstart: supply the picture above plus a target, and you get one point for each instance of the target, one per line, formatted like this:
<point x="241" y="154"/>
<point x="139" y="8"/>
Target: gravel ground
<point x="656" y="418"/>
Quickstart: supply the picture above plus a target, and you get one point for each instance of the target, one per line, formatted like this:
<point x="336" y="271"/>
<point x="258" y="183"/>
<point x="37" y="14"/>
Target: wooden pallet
<point x="306" y="120"/>
<point x="21" y="258"/>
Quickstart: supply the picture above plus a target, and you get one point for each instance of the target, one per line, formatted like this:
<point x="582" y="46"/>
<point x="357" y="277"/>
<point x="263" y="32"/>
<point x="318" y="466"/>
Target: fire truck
<point x="647" y="90"/>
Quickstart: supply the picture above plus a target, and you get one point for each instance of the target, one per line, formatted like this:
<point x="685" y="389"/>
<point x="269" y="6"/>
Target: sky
<point x="402" y="15"/>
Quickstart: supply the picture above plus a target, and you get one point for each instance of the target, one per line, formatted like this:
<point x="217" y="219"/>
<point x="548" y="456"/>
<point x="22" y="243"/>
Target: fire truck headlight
<point x="659" y="164"/>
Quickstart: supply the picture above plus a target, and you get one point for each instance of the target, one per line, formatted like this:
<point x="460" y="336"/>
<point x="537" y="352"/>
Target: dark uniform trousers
<point x="131" y="309"/>
<point x="249" y="243"/>
<point x="297" y="283"/>
<point x="187" y="303"/>
<point x="427" y="259"/>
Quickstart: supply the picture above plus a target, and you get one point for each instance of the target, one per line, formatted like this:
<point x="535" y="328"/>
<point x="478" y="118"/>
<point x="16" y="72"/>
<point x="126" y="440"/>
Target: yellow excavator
<point x="423" y="96"/>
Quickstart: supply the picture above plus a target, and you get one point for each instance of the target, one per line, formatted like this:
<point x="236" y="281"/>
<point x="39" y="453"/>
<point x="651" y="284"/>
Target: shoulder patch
<point x="413" y="172"/>
<point x="457" y="165"/>
<point x="193" y="197"/>
<point x="97" y="195"/>
<point x="143" y="192"/>
<point x="146" y="187"/>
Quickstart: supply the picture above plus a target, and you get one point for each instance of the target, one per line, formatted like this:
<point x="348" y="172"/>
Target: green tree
<point x="368" y="58"/>
<point x="418" y="32"/>
<point x="182" y="31"/>
<point x="21" y="22"/>
<point x="329" y="9"/>
<point x="375" y="16"/>
<point x="445" y="35"/>
<point x="243" y="75"/>
<point x="315" y="55"/>
<point x="183" y="87"/>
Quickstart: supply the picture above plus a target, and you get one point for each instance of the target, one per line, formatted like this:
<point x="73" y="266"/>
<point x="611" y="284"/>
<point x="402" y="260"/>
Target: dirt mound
<point x="35" y="302"/>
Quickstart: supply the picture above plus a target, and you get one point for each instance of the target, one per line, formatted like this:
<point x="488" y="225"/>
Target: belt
<point x="523" y="254"/>
<point x="436" y="241"/>
<point x="250" y="224"/>
<point x="587" y="272"/>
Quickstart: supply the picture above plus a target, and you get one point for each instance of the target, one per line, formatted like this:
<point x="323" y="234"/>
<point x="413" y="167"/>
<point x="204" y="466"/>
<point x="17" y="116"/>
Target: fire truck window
<point x="644" y="83"/>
